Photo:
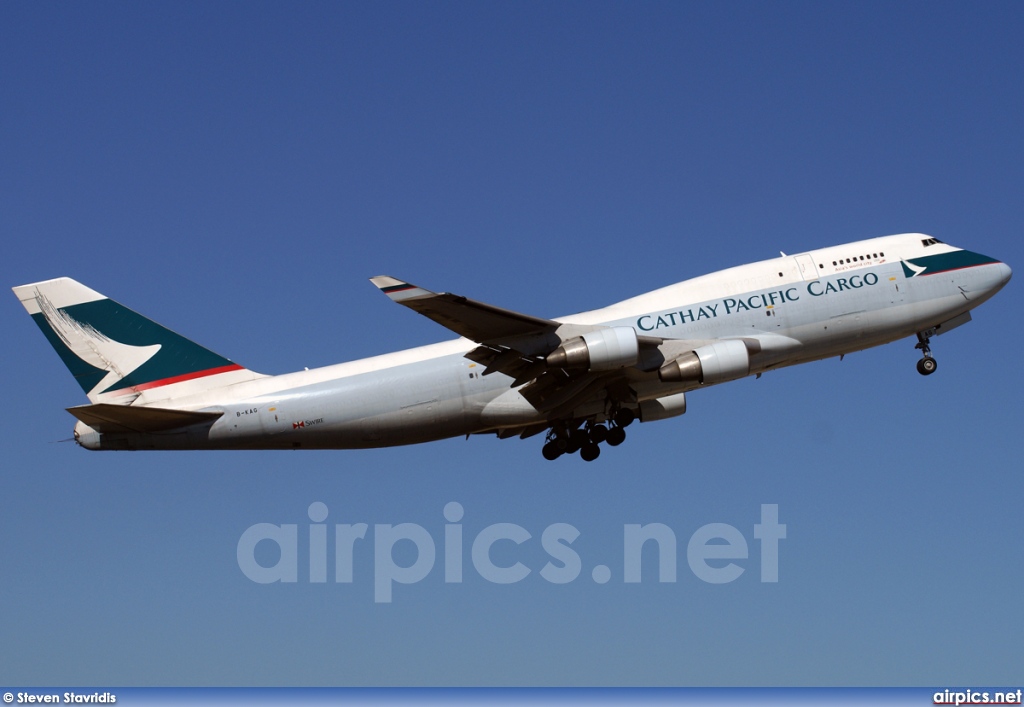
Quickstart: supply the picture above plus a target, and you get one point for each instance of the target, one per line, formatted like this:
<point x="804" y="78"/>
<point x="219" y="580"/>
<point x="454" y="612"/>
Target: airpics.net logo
<point x="713" y="552"/>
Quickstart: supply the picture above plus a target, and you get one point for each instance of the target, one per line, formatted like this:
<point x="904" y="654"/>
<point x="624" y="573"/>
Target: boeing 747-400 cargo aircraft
<point x="580" y="379"/>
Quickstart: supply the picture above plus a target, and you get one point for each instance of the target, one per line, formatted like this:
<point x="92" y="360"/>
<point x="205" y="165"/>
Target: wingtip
<point x="383" y="281"/>
<point x="398" y="290"/>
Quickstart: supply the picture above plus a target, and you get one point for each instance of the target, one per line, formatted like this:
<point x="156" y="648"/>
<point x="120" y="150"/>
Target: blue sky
<point x="237" y="172"/>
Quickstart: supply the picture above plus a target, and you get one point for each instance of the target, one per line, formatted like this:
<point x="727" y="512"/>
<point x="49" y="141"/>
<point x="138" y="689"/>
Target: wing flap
<point x="104" y="417"/>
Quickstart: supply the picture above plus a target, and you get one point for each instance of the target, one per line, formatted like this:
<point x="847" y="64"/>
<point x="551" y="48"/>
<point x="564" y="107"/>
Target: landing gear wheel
<point x="926" y="366"/>
<point x="589" y="452"/>
<point x="551" y="451"/>
<point x="598" y="434"/>
<point x="616" y="436"/>
<point x="624" y="416"/>
<point x="577" y="438"/>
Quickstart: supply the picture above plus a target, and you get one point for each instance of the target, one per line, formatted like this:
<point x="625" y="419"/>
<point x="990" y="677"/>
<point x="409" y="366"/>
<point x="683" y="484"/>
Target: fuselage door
<point x="272" y="418"/>
<point x="808" y="271"/>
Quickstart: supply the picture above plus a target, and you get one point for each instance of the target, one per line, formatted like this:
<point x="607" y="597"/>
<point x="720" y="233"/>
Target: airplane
<point x="580" y="379"/>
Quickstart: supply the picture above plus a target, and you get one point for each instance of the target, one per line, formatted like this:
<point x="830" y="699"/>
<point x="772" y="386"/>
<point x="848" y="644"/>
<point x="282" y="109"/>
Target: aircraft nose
<point x="995" y="278"/>
<point x="1003" y="274"/>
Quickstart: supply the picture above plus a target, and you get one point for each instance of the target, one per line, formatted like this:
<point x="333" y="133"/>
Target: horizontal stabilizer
<point x="104" y="417"/>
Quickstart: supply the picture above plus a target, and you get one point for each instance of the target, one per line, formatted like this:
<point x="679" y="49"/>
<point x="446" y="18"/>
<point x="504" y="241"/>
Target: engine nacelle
<point x="715" y="363"/>
<point x="601" y="350"/>
<point x="662" y="408"/>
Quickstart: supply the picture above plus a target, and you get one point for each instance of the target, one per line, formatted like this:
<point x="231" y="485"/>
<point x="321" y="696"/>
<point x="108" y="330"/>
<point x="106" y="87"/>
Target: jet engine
<point x="662" y="408"/>
<point x="714" y="363"/>
<point x="600" y="350"/>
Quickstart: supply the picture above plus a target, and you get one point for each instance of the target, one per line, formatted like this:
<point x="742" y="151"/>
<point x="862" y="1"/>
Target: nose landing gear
<point x="927" y="365"/>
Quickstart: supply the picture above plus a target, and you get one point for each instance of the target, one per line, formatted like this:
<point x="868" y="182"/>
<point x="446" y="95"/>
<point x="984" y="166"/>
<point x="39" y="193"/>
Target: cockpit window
<point x="930" y="241"/>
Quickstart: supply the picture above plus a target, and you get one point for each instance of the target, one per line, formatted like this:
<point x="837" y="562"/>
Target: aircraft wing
<point x="516" y="344"/>
<point x="512" y="343"/>
<point x="474" y="320"/>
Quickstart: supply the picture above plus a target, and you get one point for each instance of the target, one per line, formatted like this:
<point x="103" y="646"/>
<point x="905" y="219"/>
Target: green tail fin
<point x="114" y="352"/>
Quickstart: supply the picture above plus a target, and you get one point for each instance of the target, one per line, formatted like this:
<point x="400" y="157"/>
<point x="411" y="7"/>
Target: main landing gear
<point x="927" y="365"/>
<point x="587" y="439"/>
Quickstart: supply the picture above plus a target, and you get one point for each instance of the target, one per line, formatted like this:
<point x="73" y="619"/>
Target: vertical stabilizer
<point x="116" y="354"/>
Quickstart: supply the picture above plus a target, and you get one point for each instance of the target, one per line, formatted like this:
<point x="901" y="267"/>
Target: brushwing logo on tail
<point x="93" y="347"/>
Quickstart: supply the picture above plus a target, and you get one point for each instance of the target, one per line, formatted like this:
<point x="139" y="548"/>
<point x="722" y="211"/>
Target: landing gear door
<point x="808" y="270"/>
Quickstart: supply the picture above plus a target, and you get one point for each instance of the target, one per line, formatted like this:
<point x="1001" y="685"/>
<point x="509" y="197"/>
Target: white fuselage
<point x="797" y="308"/>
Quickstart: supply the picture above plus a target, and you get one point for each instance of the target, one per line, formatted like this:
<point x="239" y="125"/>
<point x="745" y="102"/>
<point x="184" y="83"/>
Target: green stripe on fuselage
<point x="943" y="262"/>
